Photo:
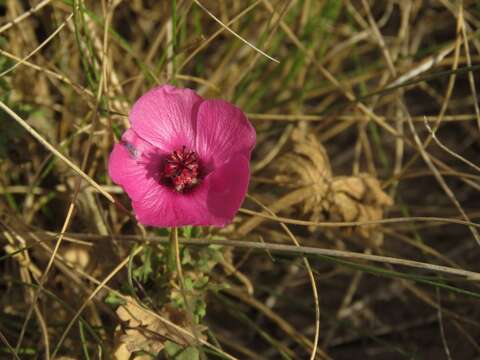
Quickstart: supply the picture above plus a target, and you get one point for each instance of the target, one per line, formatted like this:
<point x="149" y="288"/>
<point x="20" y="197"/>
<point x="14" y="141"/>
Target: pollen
<point x="181" y="170"/>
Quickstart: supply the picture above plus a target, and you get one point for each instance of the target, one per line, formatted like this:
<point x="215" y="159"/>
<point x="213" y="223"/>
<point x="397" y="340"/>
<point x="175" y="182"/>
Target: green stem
<point x="172" y="256"/>
<point x="174" y="244"/>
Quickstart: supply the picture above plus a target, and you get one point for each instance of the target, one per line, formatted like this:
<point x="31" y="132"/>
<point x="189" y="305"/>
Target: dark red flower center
<point x="181" y="170"/>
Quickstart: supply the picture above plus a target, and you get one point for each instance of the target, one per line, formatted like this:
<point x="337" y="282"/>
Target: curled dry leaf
<point x="310" y="166"/>
<point x="141" y="330"/>
<point x="341" y="198"/>
<point x="359" y="198"/>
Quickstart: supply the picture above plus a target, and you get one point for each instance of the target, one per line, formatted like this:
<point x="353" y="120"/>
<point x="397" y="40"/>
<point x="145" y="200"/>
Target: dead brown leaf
<point x="335" y="198"/>
<point x="140" y="330"/>
<point x="359" y="198"/>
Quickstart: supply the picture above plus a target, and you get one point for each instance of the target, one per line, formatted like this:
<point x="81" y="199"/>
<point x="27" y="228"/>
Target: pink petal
<point x="166" y="117"/>
<point x="133" y="163"/>
<point x="222" y="131"/>
<point x="228" y="186"/>
<point x="158" y="208"/>
<point x="213" y="202"/>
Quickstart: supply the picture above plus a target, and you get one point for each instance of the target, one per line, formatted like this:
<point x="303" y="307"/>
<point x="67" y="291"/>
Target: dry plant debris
<point x="141" y="331"/>
<point x="357" y="198"/>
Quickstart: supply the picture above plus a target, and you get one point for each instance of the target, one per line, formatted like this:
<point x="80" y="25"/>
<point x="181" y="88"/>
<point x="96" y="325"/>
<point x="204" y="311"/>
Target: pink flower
<point x="185" y="160"/>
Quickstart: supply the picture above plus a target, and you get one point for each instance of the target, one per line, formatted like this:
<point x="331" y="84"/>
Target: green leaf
<point x="177" y="352"/>
<point x="143" y="272"/>
<point x="187" y="232"/>
<point x="186" y="257"/>
<point x="114" y="300"/>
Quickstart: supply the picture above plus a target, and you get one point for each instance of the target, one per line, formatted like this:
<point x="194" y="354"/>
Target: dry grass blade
<point x="234" y="33"/>
<point x="361" y="223"/>
<point x="25" y="15"/>
<point x="55" y="152"/>
<point x="442" y="327"/>
<point x="356" y="118"/>
<point x="44" y="278"/>
<point x="423" y="67"/>
<point x="38" y="48"/>
<point x="451" y="152"/>
<point x="90" y="298"/>
<point x="351" y="97"/>
<point x="471" y="78"/>
<point x="58" y="76"/>
<point x="312" y="281"/>
<point x="381" y="41"/>
<point x="441" y="180"/>
<point x="305" y="250"/>
<point x="217" y="33"/>
<point x="9" y="347"/>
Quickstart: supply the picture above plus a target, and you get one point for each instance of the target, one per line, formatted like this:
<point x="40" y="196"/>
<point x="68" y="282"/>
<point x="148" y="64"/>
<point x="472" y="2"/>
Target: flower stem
<point x="172" y="253"/>
<point x="175" y="254"/>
